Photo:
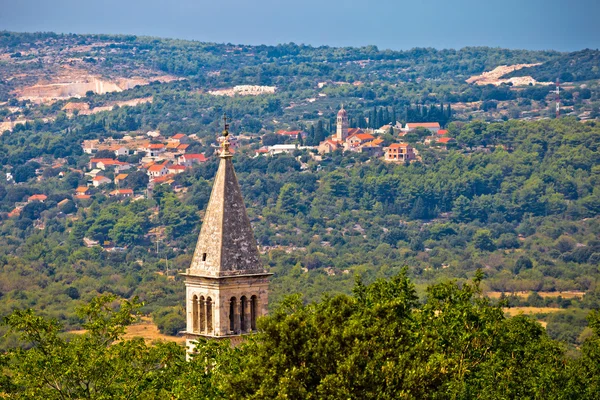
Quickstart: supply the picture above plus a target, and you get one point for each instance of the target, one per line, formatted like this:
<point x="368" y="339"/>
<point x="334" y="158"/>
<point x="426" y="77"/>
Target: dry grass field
<point x="564" y="295"/>
<point x="146" y="330"/>
<point x="149" y="332"/>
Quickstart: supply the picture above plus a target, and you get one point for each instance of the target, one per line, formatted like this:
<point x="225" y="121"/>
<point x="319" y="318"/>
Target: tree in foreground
<point x="97" y="364"/>
<point x="380" y="343"/>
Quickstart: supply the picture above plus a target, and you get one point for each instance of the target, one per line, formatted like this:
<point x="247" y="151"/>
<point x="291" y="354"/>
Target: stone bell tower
<point x="341" y="132"/>
<point x="226" y="285"/>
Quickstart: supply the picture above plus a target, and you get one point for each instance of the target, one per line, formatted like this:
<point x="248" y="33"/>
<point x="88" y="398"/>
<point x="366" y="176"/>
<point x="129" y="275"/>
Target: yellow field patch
<point x="145" y="329"/>
<point x="512" y="311"/>
<point x="564" y="295"/>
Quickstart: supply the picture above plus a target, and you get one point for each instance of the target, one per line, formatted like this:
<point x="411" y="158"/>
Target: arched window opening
<point x="201" y="314"/>
<point x="195" y="326"/>
<point x="253" y="312"/>
<point x="209" y="319"/>
<point x="244" y="304"/>
<point x="232" y="307"/>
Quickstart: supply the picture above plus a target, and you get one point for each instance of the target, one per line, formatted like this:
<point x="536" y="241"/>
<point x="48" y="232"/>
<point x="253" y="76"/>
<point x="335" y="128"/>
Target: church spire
<point x="226" y="245"/>
<point x="227" y="288"/>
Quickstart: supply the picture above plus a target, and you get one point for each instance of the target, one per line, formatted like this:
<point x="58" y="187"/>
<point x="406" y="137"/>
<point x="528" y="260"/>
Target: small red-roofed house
<point x="93" y="164"/>
<point x="358" y="139"/>
<point x="434" y="127"/>
<point x="37" y="197"/>
<point x="399" y="152"/>
<point x="16" y="212"/>
<point x="82" y="190"/>
<point x="442" y="132"/>
<point x="82" y="196"/>
<point x="182" y="147"/>
<point x="120" y="178"/>
<point x="328" y="146"/>
<point x="121" y="193"/>
<point x="372" y="148"/>
<point x="176" y="169"/>
<point x="190" y="159"/>
<point x="100" y="180"/>
<point x="446" y="142"/>
<point x="162" y="180"/>
<point x="119" y="150"/>
<point x="261" y="152"/>
<point x="104" y="163"/>
<point x="154" y="149"/>
<point x="157" y="170"/>
<point x="178" y="138"/>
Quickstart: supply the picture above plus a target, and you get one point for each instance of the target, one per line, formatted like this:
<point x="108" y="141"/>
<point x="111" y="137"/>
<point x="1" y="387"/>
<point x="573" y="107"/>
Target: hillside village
<point x="132" y="166"/>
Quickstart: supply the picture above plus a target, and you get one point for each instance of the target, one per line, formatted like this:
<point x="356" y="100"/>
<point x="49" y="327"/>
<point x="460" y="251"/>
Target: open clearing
<point x="147" y="331"/>
<point x="512" y="311"/>
<point x="523" y="295"/>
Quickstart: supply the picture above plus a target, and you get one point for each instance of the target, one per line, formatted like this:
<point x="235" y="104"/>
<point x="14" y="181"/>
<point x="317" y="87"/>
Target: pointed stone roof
<point x="226" y="245"/>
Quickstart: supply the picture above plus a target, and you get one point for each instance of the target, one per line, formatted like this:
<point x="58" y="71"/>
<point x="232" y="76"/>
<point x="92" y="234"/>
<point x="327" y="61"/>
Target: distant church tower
<point x="342" y="125"/>
<point x="226" y="285"/>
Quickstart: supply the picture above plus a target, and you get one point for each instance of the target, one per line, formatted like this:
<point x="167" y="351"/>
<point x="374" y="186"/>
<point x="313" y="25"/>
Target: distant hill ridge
<point x="578" y="66"/>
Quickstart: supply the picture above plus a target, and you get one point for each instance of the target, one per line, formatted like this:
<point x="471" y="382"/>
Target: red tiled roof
<point x="155" y="146"/>
<point x="398" y="145"/>
<point x="107" y="161"/>
<point x="177" y="167"/>
<point x="445" y="140"/>
<point x="156" y="168"/>
<point x="183" y="146"/>
<point x="442" y="131"/>
<point x="178" y="136"/>
<point x="125" y="191"/>
<point x="423" y="124"/>
<point x="363" y="136"/>
<point x="352" y="131"/>
<point x="83" y="196"/>
<point x="99" y="178"/>
<point x="82" y="189"/>
<point x="199" y="157"/>
<point x="38" y="197"/>
<point x="15" y="212"/>
<point x="163" y="178"/>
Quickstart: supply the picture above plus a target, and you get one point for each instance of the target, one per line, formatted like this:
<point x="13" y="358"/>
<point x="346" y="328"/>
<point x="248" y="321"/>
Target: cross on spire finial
<point x="225" y="126"/>
<point x="225" y="153"/>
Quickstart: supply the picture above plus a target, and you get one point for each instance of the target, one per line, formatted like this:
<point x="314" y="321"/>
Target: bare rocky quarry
<point x="494" y="77"/>
<point x="76" y="83"/>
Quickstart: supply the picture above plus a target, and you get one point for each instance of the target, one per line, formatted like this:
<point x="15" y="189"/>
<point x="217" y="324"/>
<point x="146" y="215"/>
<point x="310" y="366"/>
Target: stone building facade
<point x="226" y="285"/>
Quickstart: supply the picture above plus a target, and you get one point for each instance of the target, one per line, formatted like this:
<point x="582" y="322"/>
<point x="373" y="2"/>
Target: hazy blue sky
<point x="395" y="24"/>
